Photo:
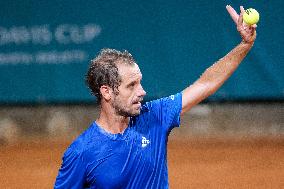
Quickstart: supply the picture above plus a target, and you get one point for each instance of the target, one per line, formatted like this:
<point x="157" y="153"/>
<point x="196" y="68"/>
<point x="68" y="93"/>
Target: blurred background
<point x="45" y="50"/>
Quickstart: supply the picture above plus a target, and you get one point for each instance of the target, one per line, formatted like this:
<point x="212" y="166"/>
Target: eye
<point x="131" y="85"/>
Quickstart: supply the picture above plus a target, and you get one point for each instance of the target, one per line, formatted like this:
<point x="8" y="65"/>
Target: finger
<point x="253" y="30"/>
<point x="242" y="12"/>
<point x="250" y="30"/>
<point x="234" y="15"/>
<point x="253" y="27"/>
<point x="240" y="19"/>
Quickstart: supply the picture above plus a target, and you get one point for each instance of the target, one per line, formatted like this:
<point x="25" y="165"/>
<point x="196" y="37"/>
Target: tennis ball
<point x="251" y="16"/>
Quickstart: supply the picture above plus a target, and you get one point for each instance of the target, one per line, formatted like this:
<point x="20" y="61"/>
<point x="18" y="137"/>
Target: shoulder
<point x="155" y="105"/>
<point x="164" y="111"/>
<point x="83" y="142"/>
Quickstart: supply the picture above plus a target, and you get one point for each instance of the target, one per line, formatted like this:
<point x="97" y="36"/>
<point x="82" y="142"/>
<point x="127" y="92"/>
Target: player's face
<point x="128" y="100"/>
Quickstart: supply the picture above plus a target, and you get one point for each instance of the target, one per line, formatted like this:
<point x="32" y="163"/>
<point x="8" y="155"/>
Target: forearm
<point x="213" y="78"/>
<point x="219" y="72"/>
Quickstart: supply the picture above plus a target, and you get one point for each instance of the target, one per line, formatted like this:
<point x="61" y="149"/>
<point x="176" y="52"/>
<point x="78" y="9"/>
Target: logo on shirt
<point x="145" y="142"/>
<point x="172" y="97"/>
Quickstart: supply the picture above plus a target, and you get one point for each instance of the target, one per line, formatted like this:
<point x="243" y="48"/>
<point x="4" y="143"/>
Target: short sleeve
<point x="72" y="171"/>
<point x="167" y="110"/>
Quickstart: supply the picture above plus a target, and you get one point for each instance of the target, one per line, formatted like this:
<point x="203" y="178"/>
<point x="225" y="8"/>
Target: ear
<point x="106" y="92"/>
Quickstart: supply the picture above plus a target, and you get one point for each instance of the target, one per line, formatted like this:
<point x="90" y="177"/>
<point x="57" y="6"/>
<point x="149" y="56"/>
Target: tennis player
<point x="126" y="147"/>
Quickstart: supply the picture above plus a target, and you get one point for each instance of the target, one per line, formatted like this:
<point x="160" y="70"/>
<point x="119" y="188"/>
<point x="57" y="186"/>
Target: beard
<point x="123" y="109"/>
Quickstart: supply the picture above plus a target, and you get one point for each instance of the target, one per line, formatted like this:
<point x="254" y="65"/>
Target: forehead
<point x="129" y="72"/>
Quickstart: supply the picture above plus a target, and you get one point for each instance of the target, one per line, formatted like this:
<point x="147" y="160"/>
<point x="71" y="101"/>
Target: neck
<point x="111" y="122"/>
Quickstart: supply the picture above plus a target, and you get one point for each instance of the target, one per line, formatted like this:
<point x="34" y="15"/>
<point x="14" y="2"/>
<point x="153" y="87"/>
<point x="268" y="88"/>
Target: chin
<point x="129" y="113"/>
<point x="136" y="113"/>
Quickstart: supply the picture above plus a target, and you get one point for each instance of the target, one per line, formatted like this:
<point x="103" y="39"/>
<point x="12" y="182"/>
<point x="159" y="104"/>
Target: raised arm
<point x="213" y="78"/>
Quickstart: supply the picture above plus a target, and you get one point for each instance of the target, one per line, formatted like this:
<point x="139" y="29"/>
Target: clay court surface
<point x="202" y="163"/>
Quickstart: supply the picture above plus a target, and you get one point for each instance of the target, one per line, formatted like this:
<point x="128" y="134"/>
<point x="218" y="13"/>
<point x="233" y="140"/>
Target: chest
<point x="118" y="163"/>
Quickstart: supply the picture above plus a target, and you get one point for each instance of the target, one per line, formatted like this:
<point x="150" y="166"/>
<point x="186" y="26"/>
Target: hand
<point x="248" y="33"/>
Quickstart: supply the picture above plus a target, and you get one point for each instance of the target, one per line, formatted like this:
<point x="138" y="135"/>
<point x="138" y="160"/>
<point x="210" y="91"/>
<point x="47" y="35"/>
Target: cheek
<point x="124" y="99"/>
<point x="126" y="95"/>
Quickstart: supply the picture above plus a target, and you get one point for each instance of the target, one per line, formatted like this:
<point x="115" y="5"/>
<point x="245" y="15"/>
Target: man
<point x="126" y="146"/>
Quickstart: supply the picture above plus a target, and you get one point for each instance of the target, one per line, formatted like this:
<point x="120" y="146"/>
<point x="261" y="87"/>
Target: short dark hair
<point x="103" y="70"/>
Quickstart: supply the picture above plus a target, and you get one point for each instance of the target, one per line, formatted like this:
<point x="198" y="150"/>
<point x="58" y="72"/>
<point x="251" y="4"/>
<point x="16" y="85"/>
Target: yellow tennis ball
<point x="251" y="16"/>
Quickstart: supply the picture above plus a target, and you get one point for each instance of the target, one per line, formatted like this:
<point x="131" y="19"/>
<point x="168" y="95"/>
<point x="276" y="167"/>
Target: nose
<point x="141" y="91"/>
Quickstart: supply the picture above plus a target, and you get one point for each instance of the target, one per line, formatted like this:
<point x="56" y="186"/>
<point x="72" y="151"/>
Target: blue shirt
<point x="135" y="159"/>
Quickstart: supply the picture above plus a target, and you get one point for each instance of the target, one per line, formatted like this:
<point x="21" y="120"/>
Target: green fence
<point x="46" y="47"/>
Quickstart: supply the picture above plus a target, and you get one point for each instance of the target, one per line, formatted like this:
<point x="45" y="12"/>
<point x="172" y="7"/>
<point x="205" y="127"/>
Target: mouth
<point x="138" y="102"/>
